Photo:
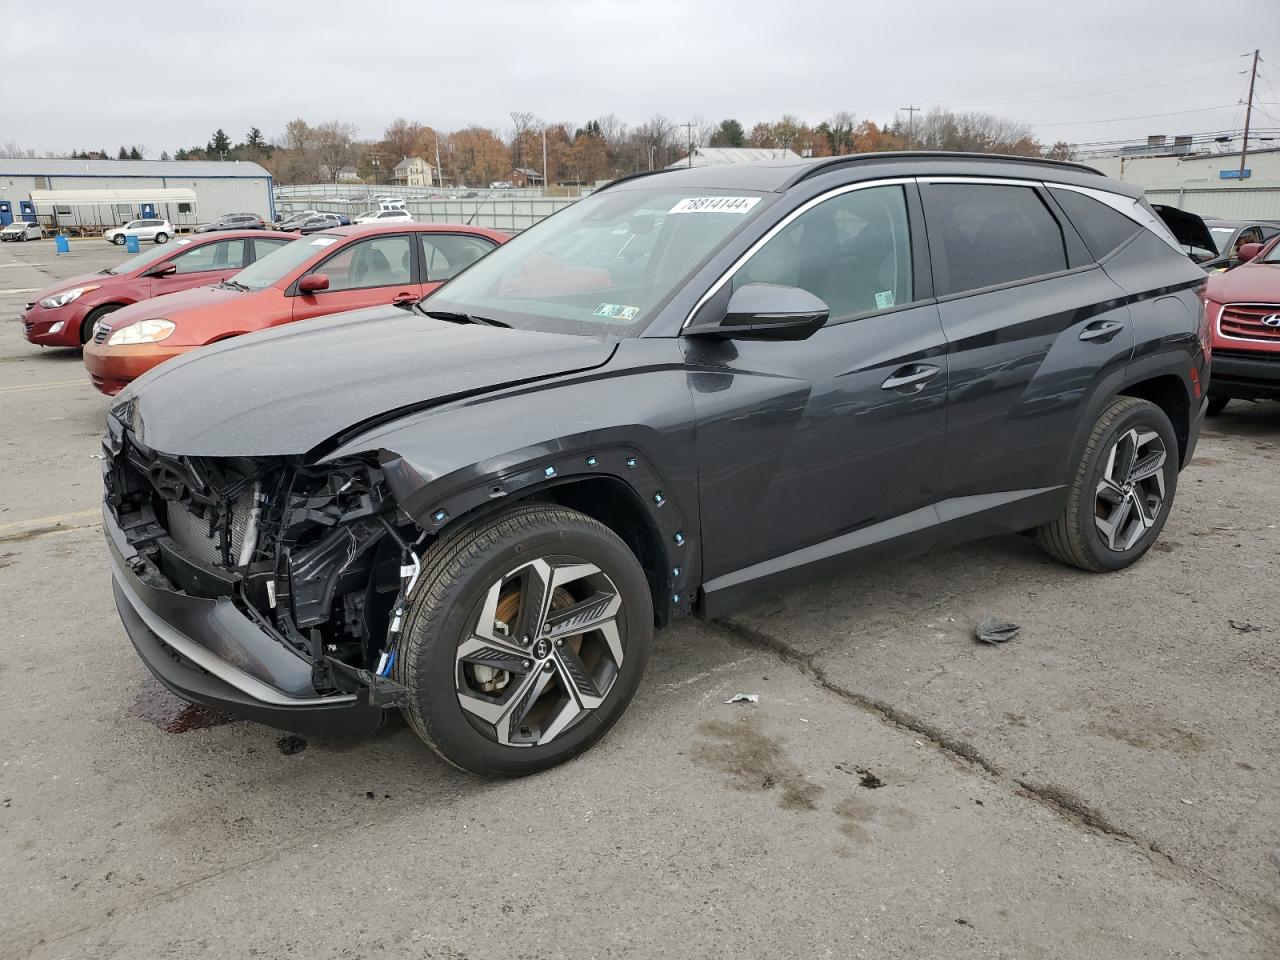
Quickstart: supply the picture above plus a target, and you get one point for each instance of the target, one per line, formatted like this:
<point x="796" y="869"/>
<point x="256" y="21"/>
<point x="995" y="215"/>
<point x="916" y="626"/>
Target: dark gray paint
<point x="775" y="459"/>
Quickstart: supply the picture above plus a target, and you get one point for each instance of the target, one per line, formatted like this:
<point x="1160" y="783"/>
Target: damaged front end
<point x="265" y="586"/>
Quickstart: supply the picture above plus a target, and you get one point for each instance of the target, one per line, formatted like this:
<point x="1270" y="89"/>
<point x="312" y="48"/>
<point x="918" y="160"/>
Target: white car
<point x="158" y="230"/>
<point x="21" y="230"/>
<point x="384" y="216"/>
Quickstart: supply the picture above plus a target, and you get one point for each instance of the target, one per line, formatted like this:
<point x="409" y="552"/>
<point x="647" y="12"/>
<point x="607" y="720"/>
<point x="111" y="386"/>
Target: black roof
<point x="779" y="175"/>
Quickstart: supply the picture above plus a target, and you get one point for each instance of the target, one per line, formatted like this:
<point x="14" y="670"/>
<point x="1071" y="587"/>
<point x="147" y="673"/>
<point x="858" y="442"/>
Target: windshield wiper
<point x="234" y="285"/>
<point x="452" y="317"/>
<point x="106" y="273"/>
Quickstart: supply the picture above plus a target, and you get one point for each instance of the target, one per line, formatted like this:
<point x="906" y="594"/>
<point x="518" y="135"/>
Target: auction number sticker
<point x="324" y="241"/>
<point x="738" y="205"/>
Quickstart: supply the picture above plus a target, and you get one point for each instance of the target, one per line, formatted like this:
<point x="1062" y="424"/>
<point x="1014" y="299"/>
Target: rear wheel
<point x="1122" y="490"/>
<point x="525" y="640"/>
<point x="1216" y="405"/>
<point x="86" y="325"/>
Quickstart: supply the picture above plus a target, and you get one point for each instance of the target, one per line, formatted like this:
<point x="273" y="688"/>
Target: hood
<point x="173" y="306"/>
<point x="1187" y="228"/>
<point x="83" y="280"/>
<point x="1252" y="282"/>
<point x="287" y="390"/>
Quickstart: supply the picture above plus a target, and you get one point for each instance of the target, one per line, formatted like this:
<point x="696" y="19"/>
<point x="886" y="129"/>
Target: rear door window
<point x="984" y="235"/>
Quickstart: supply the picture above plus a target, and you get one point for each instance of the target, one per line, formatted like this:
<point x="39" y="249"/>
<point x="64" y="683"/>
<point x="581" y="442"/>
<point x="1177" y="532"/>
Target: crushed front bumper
<point x="209" y="652"/>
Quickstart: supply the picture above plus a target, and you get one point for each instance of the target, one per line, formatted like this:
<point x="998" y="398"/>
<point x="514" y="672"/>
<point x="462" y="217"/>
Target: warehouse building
<point x="1209" y="184"/>
<point x="91" y="195"/>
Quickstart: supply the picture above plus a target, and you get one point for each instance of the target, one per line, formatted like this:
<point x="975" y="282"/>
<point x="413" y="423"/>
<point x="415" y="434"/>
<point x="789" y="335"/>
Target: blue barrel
<point x="131" y="243"/>
<point x="61" y="244"/>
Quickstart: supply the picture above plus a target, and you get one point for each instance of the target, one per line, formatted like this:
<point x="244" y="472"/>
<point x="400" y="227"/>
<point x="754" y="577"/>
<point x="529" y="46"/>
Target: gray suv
<point x="478" y="509"/>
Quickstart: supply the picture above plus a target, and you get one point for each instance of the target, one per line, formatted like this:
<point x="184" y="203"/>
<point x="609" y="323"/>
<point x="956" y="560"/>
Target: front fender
<point x="632" y="423"/>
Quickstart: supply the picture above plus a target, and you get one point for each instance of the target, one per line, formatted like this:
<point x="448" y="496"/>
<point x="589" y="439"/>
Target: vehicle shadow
<point x="1243" y="418"/>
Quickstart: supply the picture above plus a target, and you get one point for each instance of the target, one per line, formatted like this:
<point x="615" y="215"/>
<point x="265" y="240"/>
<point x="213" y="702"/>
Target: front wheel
<point x="118" y="239"/>
<point x="525" y="640"/>
<point x="162" y="238"/>
<point x="1121" y="492"/>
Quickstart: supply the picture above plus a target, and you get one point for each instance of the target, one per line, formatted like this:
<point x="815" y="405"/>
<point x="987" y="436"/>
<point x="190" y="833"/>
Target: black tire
<point x="162" y="237"/>
<point x="1216" y="405"/>
<point x="457" y="573"/>
<point x="1074" y="537"/>
<point x="86" y="325"/>
<point x="118" y="239"/>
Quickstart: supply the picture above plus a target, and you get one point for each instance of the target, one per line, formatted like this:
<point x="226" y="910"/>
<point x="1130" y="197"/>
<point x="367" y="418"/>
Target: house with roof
<point x="413" y="172"/>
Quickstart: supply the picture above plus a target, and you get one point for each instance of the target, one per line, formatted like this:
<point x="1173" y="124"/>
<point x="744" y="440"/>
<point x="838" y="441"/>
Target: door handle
<point x="914" y="375"/>
<point x="1102" y="330"/>
<point x="403" y="298"/>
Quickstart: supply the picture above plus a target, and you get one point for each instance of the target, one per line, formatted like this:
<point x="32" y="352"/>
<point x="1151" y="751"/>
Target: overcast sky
<point x="167" y="74"/>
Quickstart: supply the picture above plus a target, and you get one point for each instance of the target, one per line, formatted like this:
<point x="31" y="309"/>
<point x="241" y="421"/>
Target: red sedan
<point x="1243" y="305"/>
<point x="341" y="269"/>
<point x="64" y="315"/>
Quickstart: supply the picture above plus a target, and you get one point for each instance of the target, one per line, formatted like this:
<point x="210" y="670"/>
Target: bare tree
<point x="400" y="138"/>
<point x="333" y="144"/>
<point x="11" y="151"/>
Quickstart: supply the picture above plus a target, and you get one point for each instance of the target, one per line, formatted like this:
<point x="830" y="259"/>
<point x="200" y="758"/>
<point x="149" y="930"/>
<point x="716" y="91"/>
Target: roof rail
<point x="828" y="163"/>
<point x="631" y="176"/>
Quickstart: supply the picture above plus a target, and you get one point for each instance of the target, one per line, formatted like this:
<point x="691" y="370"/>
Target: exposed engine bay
<point x="322" y="558"/>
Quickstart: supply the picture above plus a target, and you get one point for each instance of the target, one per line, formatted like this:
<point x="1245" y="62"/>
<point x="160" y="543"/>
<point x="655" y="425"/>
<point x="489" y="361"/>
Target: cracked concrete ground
<point x="1104" y="785"/>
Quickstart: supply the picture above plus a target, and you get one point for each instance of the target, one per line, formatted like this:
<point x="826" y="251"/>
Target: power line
<point x="1142" y="116"/>
<point x="1112" y="76"/>
<point x="1112" y="92"/>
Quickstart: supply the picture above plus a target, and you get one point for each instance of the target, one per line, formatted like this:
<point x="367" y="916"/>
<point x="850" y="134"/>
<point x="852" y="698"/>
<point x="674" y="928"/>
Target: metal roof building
<point x="1205" y="183"/>
<point x="714" y="156"/>
<point x="103" y="193"/>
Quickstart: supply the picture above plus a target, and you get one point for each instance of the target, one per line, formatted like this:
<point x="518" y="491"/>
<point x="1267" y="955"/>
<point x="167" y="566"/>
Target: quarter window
<point x="262" y="246"/>
<point x="380" y="262"/>
<point x="447" y="254"/>
<point x="990" y="234"/>
<point x="852" y="251"/>
<point x="1102" y="228"/>
<point x="223" y="255"/>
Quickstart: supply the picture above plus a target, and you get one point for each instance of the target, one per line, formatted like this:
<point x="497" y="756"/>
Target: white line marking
<point x="25" y="387"/>
<point x="21" y="290"/>
<point x="57" y="523"/>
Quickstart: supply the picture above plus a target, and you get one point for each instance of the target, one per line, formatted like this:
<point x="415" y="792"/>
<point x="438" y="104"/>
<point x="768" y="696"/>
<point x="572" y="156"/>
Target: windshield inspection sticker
<point x="884" y="299"/>
<point x="182" y="243"/>
<point x="715" y="205"/>
<point x="616" y="311"/>
<point x="323" y="241"/>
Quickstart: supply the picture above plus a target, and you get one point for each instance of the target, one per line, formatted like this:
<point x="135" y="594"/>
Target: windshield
<point x="146" y="257"/>
<point x="1222" y="236"/>
<point x="1272" y="255"/>
<point x="278" y="264"/>
<point x="602" y="267"/>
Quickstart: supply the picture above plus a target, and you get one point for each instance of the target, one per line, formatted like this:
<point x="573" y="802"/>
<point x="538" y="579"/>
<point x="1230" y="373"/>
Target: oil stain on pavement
<point x="754" y="762"/>
<point x="171" y="713"/>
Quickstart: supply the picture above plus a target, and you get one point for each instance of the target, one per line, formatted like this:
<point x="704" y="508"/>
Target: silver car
<point x="151" y="229"/>
<point x="22" y="230"/>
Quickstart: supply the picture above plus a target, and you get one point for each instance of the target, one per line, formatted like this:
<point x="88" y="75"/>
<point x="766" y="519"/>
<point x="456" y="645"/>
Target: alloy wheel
<point x="544" y="650"/>
<point x="1131" y="493"/>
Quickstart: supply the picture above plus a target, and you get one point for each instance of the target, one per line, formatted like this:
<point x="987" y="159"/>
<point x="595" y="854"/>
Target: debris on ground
<point x="1244" y="626"/>
<point x="744" y="698"/>
<point x="993" y="630"/>
<point x="865" y="777"/>
<point x="291" y="744"/>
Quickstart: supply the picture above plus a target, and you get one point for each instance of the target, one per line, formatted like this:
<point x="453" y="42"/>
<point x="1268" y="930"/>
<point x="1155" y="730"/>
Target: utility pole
<point x="544" y="159"/>
<point x="689" y="138"/>
<point x="439" y="172"/>
<point x="1248" y="111"/>
<point x="911" y="112"/>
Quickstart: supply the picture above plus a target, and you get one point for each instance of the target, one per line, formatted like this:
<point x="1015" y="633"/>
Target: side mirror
<point x="1248" y="251"/>
<point x="313" y="283"/>
<point x="763" y="311"/>
<point x="163" y="270"/>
